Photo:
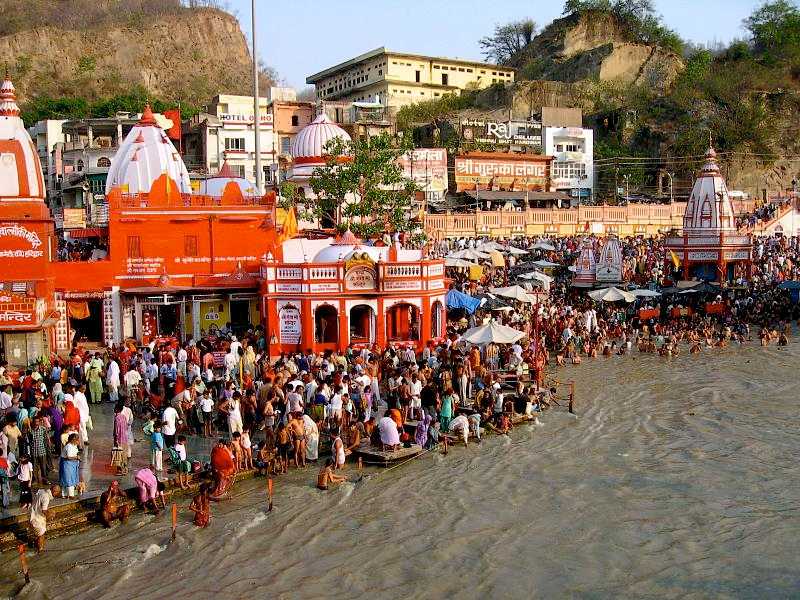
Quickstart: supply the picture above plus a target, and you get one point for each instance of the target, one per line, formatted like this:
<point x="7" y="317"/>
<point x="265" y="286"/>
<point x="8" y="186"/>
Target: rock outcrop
<point x="188" y="56"/>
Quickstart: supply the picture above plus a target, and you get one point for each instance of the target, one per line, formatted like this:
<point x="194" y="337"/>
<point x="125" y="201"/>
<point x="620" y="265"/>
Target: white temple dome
<point x="309" y="143"/>
<point x="216" y="184"/>
<point x="20" y="169"/>
<point x="333" y="253"/>
<point x="709" y="209"/>
<point x="145" y="154"/>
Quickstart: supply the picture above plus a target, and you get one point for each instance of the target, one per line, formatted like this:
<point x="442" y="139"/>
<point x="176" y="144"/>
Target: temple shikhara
<point x="710" y="247"/>
<point x="183" y="264"/>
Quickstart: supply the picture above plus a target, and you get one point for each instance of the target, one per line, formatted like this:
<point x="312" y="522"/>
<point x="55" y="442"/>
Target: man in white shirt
<point x="170" y="427"/>
<point x="112" y="380"/>
<point x="5" y="399"/>
<point x="293" y="399"/>
<point x="132" y="379"/>
<point x="182" y="357"/>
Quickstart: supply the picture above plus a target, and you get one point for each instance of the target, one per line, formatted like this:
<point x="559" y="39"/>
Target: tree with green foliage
<point x="508" y="40"/>
<point x="362" y="186"/>
<point x="775" y="30"/>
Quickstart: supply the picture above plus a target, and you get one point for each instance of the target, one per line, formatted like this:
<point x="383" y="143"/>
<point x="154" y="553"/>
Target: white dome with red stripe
<point x="20" y="169"/>
<point x="308" y="146"/>
<point x="709" y="209"/>
<point x="145" y="154"/>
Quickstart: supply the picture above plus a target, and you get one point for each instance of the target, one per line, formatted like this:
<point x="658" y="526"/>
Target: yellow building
<point x="396" y="79"/>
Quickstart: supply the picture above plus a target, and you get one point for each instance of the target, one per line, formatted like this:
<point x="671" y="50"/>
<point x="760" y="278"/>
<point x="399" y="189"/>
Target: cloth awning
<point x="88" y="232"/>
<point x="612" y="294"/>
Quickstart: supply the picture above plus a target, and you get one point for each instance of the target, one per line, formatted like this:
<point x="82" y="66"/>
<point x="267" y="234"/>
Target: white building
<point x="46" y="135"/>
<point x="225" y="134"/>
<point x="572" y="170"/>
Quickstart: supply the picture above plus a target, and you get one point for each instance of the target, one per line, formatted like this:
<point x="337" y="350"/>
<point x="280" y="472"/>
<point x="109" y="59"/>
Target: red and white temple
<point x="710" y="247"/>
<point x="181" y="264"/>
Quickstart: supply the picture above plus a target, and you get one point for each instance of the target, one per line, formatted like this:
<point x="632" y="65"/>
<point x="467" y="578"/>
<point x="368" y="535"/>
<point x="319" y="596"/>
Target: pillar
<point x="307" y="330"/>
<point x="425" y="323"/>
<point x="380" y="325"/>
<point x="344" y="328"/>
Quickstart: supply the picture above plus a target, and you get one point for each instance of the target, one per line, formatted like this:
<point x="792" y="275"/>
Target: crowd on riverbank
<point x="286" y="413"/>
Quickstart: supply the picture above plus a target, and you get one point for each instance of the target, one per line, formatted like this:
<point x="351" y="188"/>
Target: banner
<point x="490" y="170"/>
<point x="427" y="167"/>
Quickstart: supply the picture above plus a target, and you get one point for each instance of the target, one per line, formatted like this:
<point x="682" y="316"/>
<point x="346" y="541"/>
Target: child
<point x="247" y="449"/>
<point x="24" y="476"/>
<point x="157" y="447"/>
<point x="201" y="507"/>
<point x="327" y="476"/>
<point x="283" y="445"/>
<point x="183" y="466"/>
<point x="147" y="428"/>
<point x="236" y="448"/>
<point x="207" y="411"/>
<point x="265" y="459"/>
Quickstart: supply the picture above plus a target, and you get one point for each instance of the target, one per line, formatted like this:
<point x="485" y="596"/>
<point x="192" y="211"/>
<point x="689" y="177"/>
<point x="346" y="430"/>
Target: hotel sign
<point x="500" y="171"/>
<point x="511" y="133"/>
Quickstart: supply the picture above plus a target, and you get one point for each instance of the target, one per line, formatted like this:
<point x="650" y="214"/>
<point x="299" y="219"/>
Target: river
<point x="678" y="479"/>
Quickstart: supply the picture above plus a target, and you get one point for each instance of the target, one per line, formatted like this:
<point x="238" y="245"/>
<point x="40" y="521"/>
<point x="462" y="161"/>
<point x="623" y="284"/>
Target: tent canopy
<point x="456" y="299"/>
<point x="469" y="254"/>
<point x="459" y="262"/>
<point x="516" y="292"/>
<point x="644" y="293"/>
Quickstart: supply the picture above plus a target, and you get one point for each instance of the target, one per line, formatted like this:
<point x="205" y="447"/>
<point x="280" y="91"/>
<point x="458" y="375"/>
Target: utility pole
<point x="256" y="107"/>
<point x="671" y="197"/>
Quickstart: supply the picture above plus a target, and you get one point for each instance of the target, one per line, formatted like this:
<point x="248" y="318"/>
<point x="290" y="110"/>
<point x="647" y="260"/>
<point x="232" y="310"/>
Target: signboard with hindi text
<point x="427" y="167"/>
<point x="502" y="171"/>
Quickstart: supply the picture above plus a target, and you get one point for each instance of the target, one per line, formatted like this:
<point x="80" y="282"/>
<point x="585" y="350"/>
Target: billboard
<point x="427" y="167"/>
<point x="509" y="133"/>
<point x="501" y="171"/>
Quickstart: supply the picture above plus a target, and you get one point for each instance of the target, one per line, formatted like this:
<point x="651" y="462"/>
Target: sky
<point x="301" y="37"/>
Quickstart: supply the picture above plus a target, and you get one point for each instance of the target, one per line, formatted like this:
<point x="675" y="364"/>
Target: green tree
<point x="508" y="40"/>
<point x="775" y="29"/>
<point x="362" y="186"/>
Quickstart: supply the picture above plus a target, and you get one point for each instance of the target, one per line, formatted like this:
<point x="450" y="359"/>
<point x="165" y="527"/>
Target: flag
<point x="289" y="229"/>
<point x="675" y="260"/>
<point x="174" y="115"/>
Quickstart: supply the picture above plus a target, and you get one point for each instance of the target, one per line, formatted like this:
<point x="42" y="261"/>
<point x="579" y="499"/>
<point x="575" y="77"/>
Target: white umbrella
<point x="492" y="332"/>
<point x="459" y="262"/>
<point x="516" y="251"/>
<point x="545" y="264"/>
<point x="489" y="246"/>
<point x="515" y="292"/>
<point x="469" y="254"/>
<point x="611" y="294"/>
<point x="543" y="246"/>
<point x="643" y="293"/>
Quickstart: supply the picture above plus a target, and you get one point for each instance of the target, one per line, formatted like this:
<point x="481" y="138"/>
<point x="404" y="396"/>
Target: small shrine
<point x="609" y="267"/>
<point x="710" y="247"/>
<point x="585" y="266"/>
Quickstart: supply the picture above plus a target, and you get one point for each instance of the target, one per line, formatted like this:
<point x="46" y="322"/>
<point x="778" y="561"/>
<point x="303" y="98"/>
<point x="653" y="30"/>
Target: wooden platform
<point x="373" y="456"/>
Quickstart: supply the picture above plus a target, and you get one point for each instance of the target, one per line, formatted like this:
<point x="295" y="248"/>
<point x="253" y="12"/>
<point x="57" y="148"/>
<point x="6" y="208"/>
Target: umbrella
<point x="497" y="259"/>
<point x="611" y="294"/>
<point x="545" y="264"/>
<point x="536" y="275"/>
<point x="489" y="246"/>
<point x="517" y="251"/>
<point x="543" y="246"/>
<point x="643" y="293"/>
<point x="492" y="302"/>
<point x="469" y="254"/>
<point x="459" y="262"/>
<point x="493" y="332"/>
<point x="515" y="292"/>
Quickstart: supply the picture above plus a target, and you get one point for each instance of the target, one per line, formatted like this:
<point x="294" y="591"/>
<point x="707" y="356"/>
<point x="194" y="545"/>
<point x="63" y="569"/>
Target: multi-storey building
<point x="395" y="79"/>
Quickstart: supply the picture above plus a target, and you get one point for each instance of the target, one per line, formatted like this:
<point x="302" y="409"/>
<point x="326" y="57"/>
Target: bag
<point x="118" y="457"/>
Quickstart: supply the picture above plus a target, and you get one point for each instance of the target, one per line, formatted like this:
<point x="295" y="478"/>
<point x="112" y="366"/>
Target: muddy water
<point x="679" y="479"/>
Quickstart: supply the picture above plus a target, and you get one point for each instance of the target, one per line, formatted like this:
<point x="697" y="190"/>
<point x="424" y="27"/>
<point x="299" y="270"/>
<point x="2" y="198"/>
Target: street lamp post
<point x="671" y="197"/>
<point x="256" y="103"/>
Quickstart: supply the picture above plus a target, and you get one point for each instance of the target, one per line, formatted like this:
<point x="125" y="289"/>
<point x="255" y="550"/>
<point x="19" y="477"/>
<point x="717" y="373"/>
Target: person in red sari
<point x="201" y="507"/>
<point x="72" y="416"/>
<point x="223" y="468"/>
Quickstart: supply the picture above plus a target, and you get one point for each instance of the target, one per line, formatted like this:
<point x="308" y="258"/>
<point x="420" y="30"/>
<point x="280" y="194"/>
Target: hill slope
<point x="187" y="56"/>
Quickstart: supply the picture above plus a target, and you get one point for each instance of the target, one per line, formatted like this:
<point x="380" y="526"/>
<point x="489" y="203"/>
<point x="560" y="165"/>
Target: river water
<point x="678" y="479"/>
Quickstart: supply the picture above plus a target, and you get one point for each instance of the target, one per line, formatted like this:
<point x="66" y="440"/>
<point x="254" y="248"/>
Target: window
<point x="238" y="170"/>
<point x="380" y="71"/>
<point x="569" y="170"/>
<point x="295" y="120"/>
<point x="461" y="69"/>
<point x="190" y="245"/>
<point x="134" y="246"/>
<point x="445" y="80"/>
<point x="559" y="147"/>
<point x="571" y="147"/>
<point x="494" y="72"/>
<point x="286" y="145"/>
<point x="79" y="165"/>
<point x="435" y="66"/>
<point x="435" y="93"/>
<point x="416" y="76"/>
<point x="103" y="162"/>
<point x="469" y="70"/>
<point x="234" y="144"/>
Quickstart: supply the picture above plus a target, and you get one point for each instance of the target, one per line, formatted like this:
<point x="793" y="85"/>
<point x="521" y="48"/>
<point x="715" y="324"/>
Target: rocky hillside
<point x="188" y="56"/>
<point x="595" y="46"/>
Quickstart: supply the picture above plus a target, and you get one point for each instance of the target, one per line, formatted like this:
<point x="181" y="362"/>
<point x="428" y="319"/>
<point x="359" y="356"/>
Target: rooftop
<point x="382" y="50"/>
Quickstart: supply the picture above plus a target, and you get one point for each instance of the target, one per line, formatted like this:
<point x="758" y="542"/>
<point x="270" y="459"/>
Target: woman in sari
<point x="72" y="416"/>
<point x="223" y="468"/>
<point x="421" y="435"/>
<point x="57" y="394"/>
<point x="56" y="425"/>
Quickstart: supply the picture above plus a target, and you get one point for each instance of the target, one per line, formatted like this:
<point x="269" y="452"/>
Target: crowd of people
<point x="275" y="415"/>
